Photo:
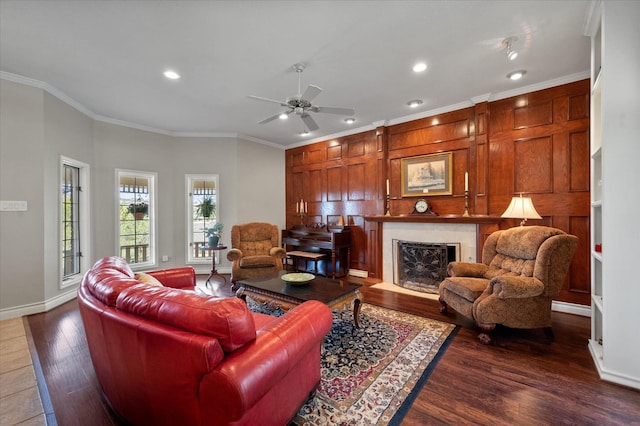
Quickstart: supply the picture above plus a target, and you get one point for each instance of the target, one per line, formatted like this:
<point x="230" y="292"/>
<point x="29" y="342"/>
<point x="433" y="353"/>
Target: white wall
<point x="37" y="128"/>
<point x="21" y="179"/>
<point x="620" y="194"/>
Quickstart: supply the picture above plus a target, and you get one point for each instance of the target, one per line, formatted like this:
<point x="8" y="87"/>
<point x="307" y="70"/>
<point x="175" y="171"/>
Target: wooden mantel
<point x="485" y="225"/>
<point x="477" y="219"/>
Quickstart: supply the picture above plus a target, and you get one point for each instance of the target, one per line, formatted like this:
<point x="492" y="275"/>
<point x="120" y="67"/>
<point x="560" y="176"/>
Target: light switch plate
<point x="13" y="206"/>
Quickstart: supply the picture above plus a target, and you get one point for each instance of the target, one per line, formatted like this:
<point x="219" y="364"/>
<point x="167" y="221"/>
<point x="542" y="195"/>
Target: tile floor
<point x="20" y="402"/>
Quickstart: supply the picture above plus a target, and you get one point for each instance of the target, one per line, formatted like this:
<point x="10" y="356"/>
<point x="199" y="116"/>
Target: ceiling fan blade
<point x="311" y="92"/>
<point x="267" y="100"/>
<point x="309" y="121"/>
<point x="273" y="117"/>
<point x="334" y="110"/>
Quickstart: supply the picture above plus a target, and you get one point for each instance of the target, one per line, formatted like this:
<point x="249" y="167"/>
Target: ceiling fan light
<point x="350" y="120"/>
<point x="283" y="116"/>
<point x="516" y="75"/>
<point x="414" y="103"/>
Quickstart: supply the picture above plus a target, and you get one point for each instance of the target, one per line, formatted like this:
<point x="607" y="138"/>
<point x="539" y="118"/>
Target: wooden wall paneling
<point x="479" y="162"/>
<point x="533" y="165"/>
<point x="577" y="289"/>
<point x="578" y="168"/>
<point x="334" y="184"/>
<point x="358" y="242"/>
<point x="356" y="182"/>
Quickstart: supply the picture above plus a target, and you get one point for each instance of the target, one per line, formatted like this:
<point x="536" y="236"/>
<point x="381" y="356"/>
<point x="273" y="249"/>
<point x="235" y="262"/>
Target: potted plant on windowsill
<point x="139" y="209"/>
<point x="213" y="234"/>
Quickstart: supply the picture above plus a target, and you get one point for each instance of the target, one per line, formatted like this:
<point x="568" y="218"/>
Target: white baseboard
<point x="571" y="308"/>
<point x="39" y="307"/>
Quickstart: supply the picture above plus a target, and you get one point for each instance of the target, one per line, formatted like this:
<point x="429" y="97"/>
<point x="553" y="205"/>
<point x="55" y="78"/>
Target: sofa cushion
<point x="505" y="265"/>
<point x="256" y="262"/>
<point x="106" y="284"/>
<point x="255" y="248"/>
<point x="115" y="263"/>
<point x="467" y="288"/>
<point x="226" y="319"/>
<point x="522" y="242"/>
<point x="147" y="279"/>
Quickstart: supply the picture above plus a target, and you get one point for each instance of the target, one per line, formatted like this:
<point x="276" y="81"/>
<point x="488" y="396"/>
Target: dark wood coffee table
<point x="272" y="289"/>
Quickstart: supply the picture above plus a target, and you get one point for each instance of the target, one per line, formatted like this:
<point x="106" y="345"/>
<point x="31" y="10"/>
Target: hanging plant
<point x="139" y="209"/>
<point x="206" y="208"/>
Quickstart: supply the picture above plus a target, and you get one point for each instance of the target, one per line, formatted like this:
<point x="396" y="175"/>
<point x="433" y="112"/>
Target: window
<point x="203" y="211"/>
<point x="74" y="185"/>
<point x="136" y="222"/>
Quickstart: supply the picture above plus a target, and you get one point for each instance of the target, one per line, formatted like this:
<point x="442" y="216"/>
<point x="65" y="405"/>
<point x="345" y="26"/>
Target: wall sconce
<point x="521" y="208"/>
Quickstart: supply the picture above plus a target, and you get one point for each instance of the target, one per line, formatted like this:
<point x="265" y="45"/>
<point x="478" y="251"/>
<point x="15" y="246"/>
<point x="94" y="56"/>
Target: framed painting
<point x="426" y="175"/>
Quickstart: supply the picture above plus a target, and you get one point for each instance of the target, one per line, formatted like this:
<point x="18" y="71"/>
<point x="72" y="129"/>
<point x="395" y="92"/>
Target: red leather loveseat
<point x="165" y="355"/>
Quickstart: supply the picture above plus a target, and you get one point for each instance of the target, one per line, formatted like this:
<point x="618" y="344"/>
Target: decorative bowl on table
<point x="297" y="278"/>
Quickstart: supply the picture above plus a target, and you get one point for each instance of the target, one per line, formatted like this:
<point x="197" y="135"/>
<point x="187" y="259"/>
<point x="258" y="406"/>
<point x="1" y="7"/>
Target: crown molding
<point x="592" y="18"/>
<point x="541" y="86"/>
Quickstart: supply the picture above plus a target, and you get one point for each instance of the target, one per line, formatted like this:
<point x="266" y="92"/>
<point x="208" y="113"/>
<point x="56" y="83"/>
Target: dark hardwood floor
<point x="521" y="379"/>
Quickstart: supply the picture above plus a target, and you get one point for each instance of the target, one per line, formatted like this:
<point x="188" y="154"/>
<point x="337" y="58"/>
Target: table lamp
<point x="521" y="208"/>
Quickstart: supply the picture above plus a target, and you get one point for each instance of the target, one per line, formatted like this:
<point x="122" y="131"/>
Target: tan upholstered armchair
<point x="255" y="250"/>
<point x="522" y="270"/>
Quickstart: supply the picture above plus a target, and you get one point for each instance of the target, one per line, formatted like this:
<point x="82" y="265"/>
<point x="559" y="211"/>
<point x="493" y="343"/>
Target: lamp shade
<point x="521" y="208"/>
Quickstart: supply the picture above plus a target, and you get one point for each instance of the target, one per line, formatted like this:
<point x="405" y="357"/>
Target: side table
<point x="214" y="271"/>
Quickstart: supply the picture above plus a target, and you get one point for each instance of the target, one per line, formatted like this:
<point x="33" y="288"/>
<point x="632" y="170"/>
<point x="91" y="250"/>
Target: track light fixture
<point x="508" y="43"/>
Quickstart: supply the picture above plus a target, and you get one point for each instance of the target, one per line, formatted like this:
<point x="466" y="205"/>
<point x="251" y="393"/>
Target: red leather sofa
<point x="165" y="355"/>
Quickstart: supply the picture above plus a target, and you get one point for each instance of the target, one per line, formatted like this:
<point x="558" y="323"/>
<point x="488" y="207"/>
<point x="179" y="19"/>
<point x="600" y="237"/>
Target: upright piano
<point x="335" y="242"/>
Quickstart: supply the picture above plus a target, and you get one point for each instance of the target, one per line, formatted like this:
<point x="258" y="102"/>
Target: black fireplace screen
<point x="422" y="266"/>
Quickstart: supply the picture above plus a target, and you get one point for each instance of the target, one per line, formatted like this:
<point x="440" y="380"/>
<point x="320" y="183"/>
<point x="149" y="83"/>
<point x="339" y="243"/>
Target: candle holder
<point x="302" y="216"/>
<point x="466" y="204"/>
<point x="387" y="207"/>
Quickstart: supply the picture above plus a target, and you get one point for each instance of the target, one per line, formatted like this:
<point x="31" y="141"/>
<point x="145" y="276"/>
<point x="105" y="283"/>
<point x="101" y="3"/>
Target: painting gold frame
<point x="426" y="175"/>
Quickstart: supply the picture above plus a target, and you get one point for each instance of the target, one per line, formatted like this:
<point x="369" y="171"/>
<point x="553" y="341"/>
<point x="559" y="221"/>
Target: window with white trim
<point x="136" y="218"/>
<point x="74" y="220"/>
<point x="203" y="211"/>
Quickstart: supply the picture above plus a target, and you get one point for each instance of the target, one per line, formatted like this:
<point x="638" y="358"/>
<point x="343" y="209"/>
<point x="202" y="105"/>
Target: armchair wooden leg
<point x="444" y="309"/>
<point x="485" y="329"/>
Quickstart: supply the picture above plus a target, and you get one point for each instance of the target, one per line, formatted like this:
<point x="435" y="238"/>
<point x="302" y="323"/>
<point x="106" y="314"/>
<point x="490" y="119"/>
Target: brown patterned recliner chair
<point x="522" y="270"/>
<point x="255" y="250"/>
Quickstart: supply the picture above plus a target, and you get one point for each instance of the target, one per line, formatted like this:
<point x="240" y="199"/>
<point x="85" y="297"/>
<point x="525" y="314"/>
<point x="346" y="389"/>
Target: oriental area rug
<point x="372" y="374"/>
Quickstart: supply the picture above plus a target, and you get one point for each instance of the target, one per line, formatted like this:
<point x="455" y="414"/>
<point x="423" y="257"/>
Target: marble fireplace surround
<point x="468" y="231"/>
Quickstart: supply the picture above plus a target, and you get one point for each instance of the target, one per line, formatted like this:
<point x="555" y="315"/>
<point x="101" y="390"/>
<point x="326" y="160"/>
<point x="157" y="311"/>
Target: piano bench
<point x="296" y="256"/>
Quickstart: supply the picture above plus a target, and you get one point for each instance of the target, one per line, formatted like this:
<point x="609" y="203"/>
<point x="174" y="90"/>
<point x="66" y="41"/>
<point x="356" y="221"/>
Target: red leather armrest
<point x="247" y="374"/>
<point x="184" y="277"/>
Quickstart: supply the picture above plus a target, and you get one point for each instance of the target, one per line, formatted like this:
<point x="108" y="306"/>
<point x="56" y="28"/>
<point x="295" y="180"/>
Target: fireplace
<point x="421" y="266"/>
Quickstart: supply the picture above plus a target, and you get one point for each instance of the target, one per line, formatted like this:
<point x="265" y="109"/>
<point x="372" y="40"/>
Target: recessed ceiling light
<point x="419" y="67"/>
<point x="516" y="75"/>
<point x="171" y="75"/>
<point x="283" y="116"/>
<point x="350" y="120"/>
<point x="304" y="133"/>
<point x="414" y="103"/>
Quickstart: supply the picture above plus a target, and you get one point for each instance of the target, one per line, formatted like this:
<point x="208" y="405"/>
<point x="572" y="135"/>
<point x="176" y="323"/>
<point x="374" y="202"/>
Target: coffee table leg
<point x="356" y="312"/>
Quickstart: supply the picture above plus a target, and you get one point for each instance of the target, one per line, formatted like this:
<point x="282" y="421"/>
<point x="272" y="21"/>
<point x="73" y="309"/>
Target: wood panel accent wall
<point x="339" y="178"/>
<point x="537" y="143"/>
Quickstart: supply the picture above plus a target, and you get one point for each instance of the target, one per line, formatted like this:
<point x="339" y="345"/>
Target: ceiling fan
<point x="301" y="105"/>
